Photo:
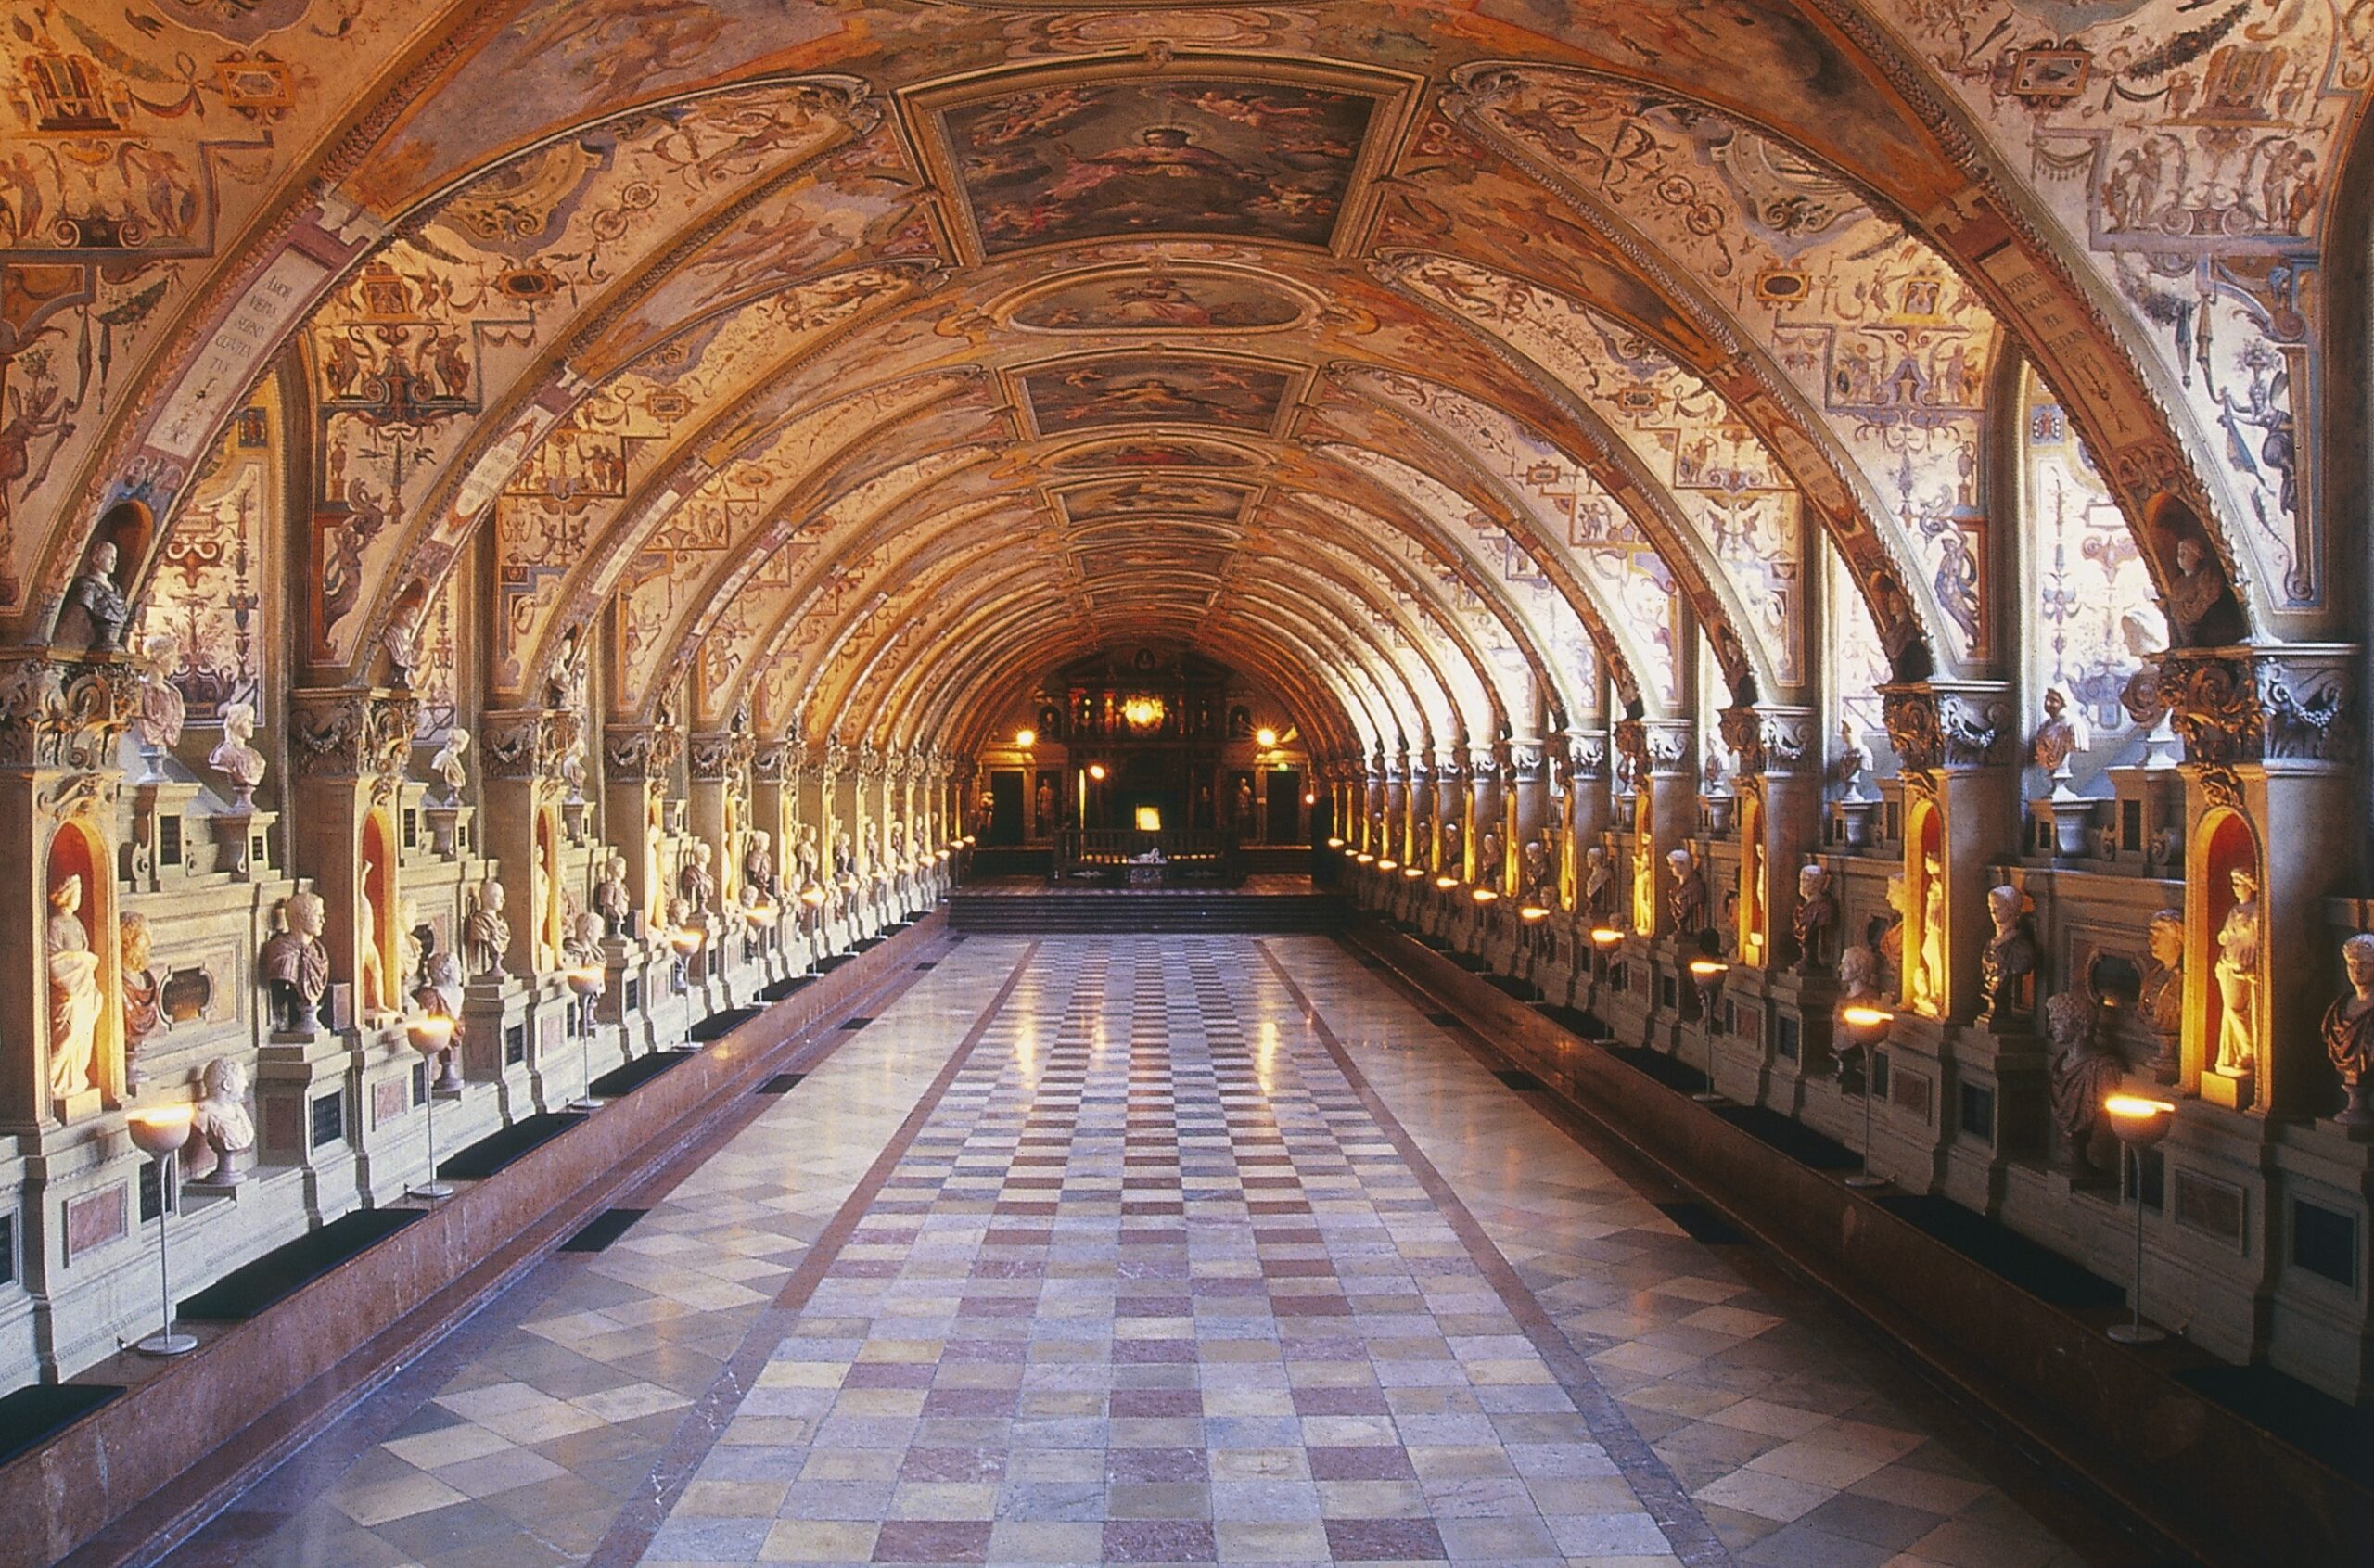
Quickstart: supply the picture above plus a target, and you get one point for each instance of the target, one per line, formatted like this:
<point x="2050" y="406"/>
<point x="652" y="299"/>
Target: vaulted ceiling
<point x="1447" y="363"/>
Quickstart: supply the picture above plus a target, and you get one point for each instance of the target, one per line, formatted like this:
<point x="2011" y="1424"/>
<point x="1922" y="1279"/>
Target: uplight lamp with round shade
<point x="1413" y="873"/>
<point x="1308" y="798"/>
<point x="813" y="896"/>
<point x="586" y="981"/>
<point x="1704" y="969"/>
<point x="1334" y="843"/>
<point x="430" y="1035"/>
<point x="1265" y="738"/>
<point x="2138" y="1123"/>
<point x="1533" y="914"/>
<point x="1026" y="739"/>
<point x="1388" y="865"/>
<point x="1861" y="1016"/>
<point x="1482" y="895"/>
<point x="1446" y="883"/>
<point x="1605" y="935"/>
<point x="159" y="1134"/>
<point x="1096" y="771"/>
<point x="1364" y="858"/>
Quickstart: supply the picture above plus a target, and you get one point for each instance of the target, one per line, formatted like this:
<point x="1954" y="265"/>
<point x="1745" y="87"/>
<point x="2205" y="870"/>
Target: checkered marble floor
<point x="1178" y="1250"/>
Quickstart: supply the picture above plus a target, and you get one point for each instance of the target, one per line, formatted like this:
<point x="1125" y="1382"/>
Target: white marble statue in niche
<point x="2238" y="979"/>
<point x="486" y="934"/>
<point x="76" y="995"/>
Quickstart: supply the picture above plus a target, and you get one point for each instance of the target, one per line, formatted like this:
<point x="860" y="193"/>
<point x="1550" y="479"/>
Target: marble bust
<point x="2348" y="1031"/>
<point x="2006" y="966"/>
<point x="486" y="935"/>
<point x="2161" y="1000"/>
<point x="296" y="966"/>
<point x="222" y="1133"/>
<point x="236" y="758"/>
<point x="2081" y="1074"/>
<point x="1815" y="924"/>
<point x="1687" y="900"/>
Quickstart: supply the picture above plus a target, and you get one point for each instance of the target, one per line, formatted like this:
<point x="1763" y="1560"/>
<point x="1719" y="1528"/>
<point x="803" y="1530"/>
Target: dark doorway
<point x="1005" y="806"/>
<point x="1285" y="786"/>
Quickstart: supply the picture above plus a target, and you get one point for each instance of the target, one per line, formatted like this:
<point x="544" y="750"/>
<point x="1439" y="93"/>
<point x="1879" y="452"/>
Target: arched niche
<point x="118" y="551"/>
<point x="378" y="983"/>
<point x="547" y="913"/>
<point x="1644" y="862"/>
<point x="2225" y="842"/>
<point x="1928" y="954"/>
<point x="1754" y="931"/>
<point x="82" y="1059"/>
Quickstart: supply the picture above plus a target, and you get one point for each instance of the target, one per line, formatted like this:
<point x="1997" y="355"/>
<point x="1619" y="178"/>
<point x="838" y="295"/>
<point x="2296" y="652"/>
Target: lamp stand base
<point x="432" y="1190"/>
<point x="585" y="1103"/>
<point x="2131" y="1334"/>
<point x="1864" y="1183"/>
<point x="167" y="1344"/>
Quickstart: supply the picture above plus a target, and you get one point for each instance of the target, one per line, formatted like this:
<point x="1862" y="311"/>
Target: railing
<point x="1117" y="853"/>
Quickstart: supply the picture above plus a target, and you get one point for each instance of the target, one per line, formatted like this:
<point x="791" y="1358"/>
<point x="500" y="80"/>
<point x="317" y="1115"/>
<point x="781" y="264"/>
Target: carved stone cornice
<point x="2291" y="705"/>
<point x="1770" y="740"/>
<point x="59" y="712"/>
<point x="1653" y="747"/>
<point x="1948" y="724"/>
<point x="344" y="733"/>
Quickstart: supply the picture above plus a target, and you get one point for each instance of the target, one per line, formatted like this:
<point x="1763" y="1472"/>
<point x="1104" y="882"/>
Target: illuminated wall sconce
<point x="1096" y="771"/>
<point x="1265" y="738"/>
<point x="1026" y="739"/>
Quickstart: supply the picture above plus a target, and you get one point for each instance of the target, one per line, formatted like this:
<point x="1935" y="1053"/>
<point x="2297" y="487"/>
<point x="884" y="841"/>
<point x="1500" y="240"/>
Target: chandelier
<point x="1143" y="713"/>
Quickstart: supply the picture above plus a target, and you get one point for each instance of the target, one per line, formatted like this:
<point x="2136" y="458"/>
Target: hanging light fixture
<point x="1142" y="712"/>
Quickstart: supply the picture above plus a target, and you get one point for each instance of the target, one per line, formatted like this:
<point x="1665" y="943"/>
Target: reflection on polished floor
<point x="1119" y="1250"/>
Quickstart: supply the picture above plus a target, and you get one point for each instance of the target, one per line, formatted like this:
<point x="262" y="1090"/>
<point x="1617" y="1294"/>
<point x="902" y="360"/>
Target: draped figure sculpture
<point x="76" y="997"/>
<point x="2238" y="980"/>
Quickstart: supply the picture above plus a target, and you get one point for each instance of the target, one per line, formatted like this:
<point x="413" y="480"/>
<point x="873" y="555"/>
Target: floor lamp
<point x="2139" y="1124"/>
<point x="430" y="1035"/>
<point x="159" y="1134"/>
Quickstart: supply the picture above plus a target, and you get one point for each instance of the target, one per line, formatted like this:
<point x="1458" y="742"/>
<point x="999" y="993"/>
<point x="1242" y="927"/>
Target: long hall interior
<point x="1336" y="781"/>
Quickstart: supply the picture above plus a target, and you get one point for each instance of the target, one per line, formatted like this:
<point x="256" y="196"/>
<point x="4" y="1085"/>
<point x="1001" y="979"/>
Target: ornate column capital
<point x="771" y="763"/>
<point x="530" y="743"/>
<point x="62" y="712"/>
<point x="2290" y="706"/>
<point x="1768" y="739"/>
<point x="640" y="753"/>
<point x="1585" y="756"/>
<point x="721" y="754"/>
<point x="357" y="732"/>
<point x="1937" y="725"/>
<point x="1528" y="762"/>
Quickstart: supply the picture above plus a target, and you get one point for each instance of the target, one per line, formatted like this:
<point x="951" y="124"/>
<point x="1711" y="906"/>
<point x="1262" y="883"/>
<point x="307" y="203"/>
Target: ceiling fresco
<point x="791" y="350"/>
<point x="1098" y="160"/>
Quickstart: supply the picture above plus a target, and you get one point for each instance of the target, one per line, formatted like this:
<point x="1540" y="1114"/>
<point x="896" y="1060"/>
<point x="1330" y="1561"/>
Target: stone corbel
<point x="517" y="745"/>
<point x="351" y="733"/>
<point x="1768" y="740"/>
<point x="771" y="763"/>
<point x="69" y="713"/>
<point x="2291" y="707"/>
<point x="1946" y="725"/>
<point x="711" y="757"/>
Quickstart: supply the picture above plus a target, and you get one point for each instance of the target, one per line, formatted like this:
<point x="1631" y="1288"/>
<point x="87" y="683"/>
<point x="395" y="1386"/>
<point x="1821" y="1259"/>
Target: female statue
<point x="1929" y="975"/>
<point x="2238" y="979"/>
<point x="75" y="996"/>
